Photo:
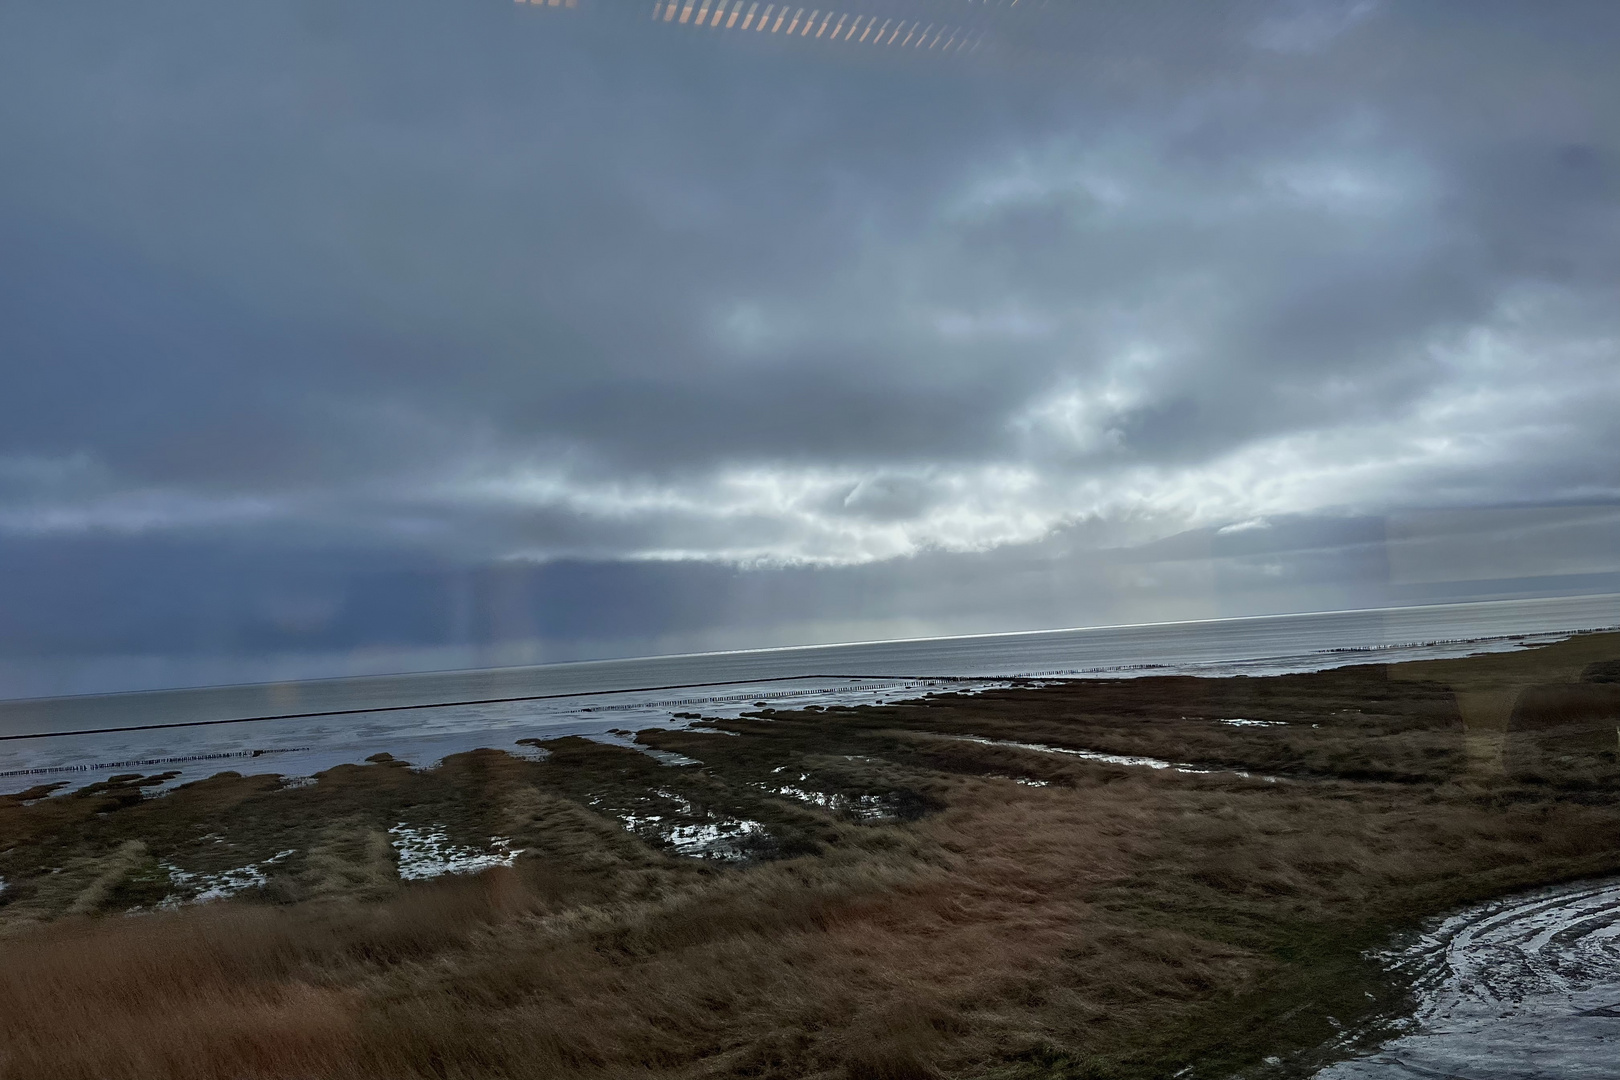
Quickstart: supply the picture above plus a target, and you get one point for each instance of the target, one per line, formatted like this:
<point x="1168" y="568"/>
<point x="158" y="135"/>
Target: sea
<point x="297" y="729"/>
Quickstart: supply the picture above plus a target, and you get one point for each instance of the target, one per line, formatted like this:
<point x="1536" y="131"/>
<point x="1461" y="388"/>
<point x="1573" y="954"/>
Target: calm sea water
<point x="297" y="728"/>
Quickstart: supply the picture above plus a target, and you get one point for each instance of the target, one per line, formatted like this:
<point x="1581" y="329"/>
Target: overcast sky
<point x="464" y="331"/>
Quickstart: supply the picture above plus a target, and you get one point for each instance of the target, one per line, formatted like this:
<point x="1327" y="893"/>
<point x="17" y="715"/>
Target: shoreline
<point x="440" y="727"/>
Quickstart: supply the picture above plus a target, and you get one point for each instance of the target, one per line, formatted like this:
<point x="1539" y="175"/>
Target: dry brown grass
<point x="868" y="965"/>
<point x="1118" y="922"/>
<point x="207" y="993"/>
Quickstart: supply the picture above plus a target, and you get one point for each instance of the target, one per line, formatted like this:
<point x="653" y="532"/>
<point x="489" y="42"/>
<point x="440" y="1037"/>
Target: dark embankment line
<point x="451" y="704"/>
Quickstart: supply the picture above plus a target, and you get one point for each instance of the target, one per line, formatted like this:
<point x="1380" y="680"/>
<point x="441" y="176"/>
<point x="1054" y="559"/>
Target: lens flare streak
<point x="791" y="20"/>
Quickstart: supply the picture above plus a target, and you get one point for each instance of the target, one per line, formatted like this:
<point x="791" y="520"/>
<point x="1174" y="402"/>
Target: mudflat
<point x="1091" y="878"/>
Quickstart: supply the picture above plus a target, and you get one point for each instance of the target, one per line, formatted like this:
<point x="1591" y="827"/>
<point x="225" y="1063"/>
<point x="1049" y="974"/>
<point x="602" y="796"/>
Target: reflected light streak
<point x="794" y="21"/>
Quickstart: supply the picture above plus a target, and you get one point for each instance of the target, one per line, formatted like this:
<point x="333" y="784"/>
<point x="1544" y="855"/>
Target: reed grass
<point x="1116" y="922"/>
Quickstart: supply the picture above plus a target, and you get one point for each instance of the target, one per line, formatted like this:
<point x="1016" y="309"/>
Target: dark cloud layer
<point x="320" y="323"/>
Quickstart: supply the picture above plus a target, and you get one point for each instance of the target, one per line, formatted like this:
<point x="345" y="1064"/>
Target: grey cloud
<point x="1308" y="26"/>
<point x="453" y="284"/>
<point x="188" y="613"/>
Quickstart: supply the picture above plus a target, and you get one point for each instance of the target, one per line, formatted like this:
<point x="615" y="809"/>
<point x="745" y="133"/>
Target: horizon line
<point x="10" y="701"/>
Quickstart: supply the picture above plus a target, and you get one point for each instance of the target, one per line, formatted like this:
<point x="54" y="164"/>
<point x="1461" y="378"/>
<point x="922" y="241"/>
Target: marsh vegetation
<point x="924" y="889"/>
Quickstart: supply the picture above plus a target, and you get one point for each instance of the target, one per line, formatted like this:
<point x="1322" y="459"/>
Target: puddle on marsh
<point x="1102" y="758"/>
<point x="1518" y="988"/>
<point x="427" y="852"/>
<point x="703" y="835"/>
<point x="196" y="887"/>
<point x="859" y="807"/>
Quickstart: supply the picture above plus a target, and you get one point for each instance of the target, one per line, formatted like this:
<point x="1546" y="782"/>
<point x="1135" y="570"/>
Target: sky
<point x="341" y="337"/>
